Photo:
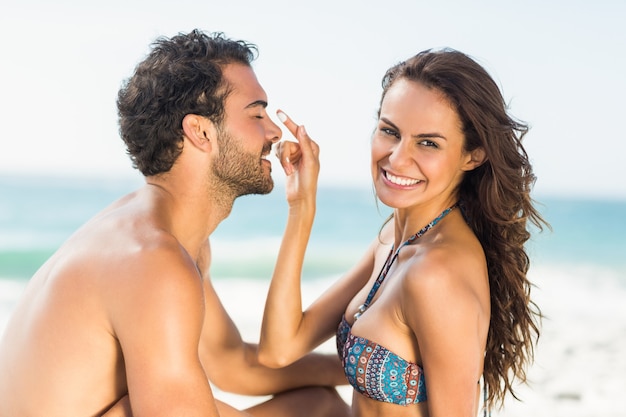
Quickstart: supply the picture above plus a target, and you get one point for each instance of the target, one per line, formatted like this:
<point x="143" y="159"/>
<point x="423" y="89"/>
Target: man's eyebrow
<point x="257" y="103"/>
<point x="418" y="136"/>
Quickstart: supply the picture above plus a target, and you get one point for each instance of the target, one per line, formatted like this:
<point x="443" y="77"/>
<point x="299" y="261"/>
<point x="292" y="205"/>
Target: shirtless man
<point x="123" y="319"/>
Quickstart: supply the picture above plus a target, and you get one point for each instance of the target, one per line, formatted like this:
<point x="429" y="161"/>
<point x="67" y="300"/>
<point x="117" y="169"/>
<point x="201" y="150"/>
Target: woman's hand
<point x="300" y="160"/>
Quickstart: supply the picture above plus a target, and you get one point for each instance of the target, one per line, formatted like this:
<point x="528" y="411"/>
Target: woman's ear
<point x="199" y="130"/>
<point x="477" y="157"/>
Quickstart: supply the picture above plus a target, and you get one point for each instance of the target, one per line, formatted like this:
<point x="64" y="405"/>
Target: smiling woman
<point x="463" y="146"/>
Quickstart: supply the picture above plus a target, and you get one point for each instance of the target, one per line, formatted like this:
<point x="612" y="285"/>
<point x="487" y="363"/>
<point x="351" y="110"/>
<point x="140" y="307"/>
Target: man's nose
<point x="273" y="132"/>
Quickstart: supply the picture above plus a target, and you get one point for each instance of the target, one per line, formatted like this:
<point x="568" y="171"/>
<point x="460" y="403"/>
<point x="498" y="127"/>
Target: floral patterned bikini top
<point x="378" y="373"/>
<point x="373" y="370"/>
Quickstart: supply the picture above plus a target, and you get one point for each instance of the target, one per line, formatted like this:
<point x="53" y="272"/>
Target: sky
<point x="561" y="65"/>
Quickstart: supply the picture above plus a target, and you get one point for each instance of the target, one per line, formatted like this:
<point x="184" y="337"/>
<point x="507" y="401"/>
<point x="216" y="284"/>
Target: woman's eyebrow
<point x="418" y="136"/>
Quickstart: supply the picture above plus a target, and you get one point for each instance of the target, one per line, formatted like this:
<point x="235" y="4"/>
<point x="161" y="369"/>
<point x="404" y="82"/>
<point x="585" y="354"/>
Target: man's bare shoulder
<point x="157" y="269"/>
<point x="127" y="259"/>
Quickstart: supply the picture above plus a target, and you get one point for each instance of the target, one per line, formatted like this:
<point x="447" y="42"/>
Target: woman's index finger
<point x="292" y="126"/>
<point x="286" y="120"/>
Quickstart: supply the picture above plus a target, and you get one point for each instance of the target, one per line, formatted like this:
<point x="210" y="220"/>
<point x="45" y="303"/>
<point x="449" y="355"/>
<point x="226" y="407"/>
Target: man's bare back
<point x="61" y="350"/>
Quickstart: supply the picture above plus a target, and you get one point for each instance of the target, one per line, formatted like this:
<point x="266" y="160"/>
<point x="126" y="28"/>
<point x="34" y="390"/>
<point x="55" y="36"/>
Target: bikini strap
<point x="393" y="256"/>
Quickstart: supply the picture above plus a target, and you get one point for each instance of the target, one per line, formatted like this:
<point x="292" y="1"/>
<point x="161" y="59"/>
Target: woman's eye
<point x="428" y="143"/>
<point x="389" y="132"/>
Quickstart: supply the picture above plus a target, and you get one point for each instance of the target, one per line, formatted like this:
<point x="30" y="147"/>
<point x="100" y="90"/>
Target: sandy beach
<point x="580" y="366"/>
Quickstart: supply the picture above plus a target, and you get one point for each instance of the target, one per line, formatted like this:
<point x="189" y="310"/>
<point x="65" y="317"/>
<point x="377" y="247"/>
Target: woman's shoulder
<point x="446" y="286"/>
<point x="448" y="268"/>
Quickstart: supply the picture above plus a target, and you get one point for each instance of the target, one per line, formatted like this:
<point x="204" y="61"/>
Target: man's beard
<point x="242" y="172"/>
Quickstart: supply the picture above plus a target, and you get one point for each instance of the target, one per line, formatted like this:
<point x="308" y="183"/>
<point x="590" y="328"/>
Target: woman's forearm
<point x="281" y="342"/>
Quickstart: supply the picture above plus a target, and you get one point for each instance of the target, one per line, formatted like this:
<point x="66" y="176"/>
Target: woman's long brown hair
<point x="497" y="205"/>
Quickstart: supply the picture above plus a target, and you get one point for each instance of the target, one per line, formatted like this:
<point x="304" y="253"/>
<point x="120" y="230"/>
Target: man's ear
<point x="200" y="131"/>
<point x="477" y="157"/>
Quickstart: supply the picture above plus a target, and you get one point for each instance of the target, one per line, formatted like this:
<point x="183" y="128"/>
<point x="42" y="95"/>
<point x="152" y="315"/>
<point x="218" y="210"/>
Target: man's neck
<point x="192" y="212"/>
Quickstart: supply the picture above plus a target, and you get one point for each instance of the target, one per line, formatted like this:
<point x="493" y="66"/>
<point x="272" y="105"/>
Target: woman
<point x="441" y="298"/>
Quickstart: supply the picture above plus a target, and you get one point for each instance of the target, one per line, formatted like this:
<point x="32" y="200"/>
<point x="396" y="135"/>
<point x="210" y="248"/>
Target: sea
<point x="37" y="214"/>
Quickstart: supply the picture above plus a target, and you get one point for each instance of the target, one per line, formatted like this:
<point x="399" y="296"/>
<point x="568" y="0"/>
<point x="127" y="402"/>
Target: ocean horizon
<point x="38" y="214"/>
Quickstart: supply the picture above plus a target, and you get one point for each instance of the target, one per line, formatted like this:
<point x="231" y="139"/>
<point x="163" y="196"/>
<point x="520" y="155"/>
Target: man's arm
<point x="156" y="313"/>
<point x="231" y="364"/>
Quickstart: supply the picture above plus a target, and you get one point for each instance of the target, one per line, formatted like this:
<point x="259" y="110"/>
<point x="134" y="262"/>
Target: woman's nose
<point x="399" y="154"/>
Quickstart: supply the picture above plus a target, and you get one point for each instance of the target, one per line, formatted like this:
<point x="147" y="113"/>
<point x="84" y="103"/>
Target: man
<point x="123" y="320"/>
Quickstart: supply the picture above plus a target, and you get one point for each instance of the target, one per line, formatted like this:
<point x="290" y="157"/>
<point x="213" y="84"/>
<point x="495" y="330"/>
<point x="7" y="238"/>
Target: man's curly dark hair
<point x="181" y="75"/>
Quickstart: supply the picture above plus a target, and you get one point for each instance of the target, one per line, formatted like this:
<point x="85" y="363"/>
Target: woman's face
<point x="417" y="147"/>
